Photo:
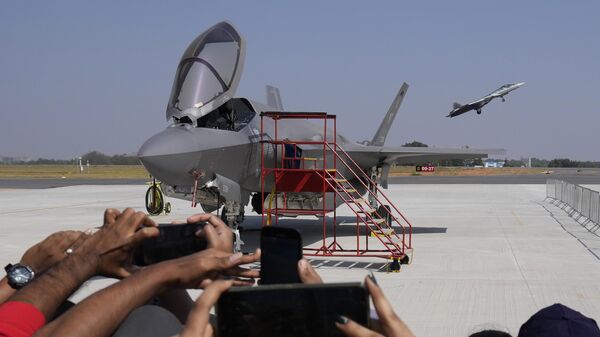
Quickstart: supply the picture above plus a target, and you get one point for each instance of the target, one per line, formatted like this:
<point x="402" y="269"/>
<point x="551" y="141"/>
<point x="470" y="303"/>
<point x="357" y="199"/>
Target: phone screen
<point x="281" y="249"/>
<point x="290" y="310"/>
<point x="173" y="241"/>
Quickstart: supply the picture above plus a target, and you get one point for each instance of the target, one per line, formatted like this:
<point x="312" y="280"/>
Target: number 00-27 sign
<point x="425" y="168"/>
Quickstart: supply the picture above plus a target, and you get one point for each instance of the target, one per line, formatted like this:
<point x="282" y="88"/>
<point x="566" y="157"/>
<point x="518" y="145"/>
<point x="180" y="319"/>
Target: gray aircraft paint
<point x="184" y="152"/>
<point x="459" y="109"/>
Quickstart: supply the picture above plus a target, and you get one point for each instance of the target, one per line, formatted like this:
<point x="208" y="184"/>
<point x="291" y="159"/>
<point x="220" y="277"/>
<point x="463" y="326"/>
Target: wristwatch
<point x="18" y="275"/>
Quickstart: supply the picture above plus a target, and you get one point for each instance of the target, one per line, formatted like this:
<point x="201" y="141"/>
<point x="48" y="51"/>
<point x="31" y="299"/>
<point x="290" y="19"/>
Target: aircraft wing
<point x="386" y="156"/>
<point x="404" y="154"/>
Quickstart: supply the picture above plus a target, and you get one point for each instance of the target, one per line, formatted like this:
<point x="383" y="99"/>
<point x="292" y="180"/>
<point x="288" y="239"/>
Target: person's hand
<point x="200" y="269"/>
<point x="198" y="319"/>
<point x="116" y="240"/>
<point x="308" y="274"/>
<point x="217" y="233"/>
<point x="390" y="325"/>
<point x="52" y="249"/>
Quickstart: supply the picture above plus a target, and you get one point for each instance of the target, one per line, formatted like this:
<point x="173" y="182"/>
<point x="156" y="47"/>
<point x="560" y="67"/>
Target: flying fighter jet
<point x="459" y="109"/>
<point x="211" y="149"/>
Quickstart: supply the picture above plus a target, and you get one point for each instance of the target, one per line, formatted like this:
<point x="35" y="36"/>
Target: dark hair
<point x="490" y="333"/>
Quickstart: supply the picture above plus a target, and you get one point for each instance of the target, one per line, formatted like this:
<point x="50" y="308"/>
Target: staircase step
<point x="367" y="211"/>
<point x="350" y="190"/>
<point x="374" y="220"/>
<point x="383" y="232"/>
<point x="339" y="180"/>
<point x="311" y="158"/>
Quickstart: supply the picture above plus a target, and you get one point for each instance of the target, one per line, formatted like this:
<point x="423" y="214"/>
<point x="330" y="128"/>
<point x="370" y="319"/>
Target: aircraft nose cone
<point x="169" y="155"/>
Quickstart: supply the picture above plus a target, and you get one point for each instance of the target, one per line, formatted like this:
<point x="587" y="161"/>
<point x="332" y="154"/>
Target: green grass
<point x="72" y="172"/>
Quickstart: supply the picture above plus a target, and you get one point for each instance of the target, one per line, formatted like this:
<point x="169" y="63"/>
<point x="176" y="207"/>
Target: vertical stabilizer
<point x="386" y="124"/>
<point x="273" y="98"/>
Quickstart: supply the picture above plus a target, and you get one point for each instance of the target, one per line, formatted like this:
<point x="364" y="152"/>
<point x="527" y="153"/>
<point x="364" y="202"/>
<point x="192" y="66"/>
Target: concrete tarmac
<point x="485" y="256"/>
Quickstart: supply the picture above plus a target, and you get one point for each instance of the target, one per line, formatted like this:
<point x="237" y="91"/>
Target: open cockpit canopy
<point x="208" y="73"/>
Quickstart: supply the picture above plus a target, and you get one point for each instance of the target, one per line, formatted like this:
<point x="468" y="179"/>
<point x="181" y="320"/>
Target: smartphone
<point x="173" y="241"/>
<point x="281" y="249"/>
<point x="290" y="309"/>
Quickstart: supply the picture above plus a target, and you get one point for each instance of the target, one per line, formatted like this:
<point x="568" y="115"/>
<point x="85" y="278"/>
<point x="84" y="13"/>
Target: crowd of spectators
<point x="153" y="301"/>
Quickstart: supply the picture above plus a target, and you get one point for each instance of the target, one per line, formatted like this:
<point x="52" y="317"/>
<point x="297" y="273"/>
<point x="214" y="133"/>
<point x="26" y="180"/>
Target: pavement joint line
<point x="512" y="253"/>
<point x="565" y="229"/>
<point x="61" y="206"/>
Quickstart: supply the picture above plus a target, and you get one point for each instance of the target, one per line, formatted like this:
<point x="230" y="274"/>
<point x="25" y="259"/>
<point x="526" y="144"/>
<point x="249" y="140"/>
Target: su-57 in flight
<point x="459" y="109"/>
<point x="211" y="149"/>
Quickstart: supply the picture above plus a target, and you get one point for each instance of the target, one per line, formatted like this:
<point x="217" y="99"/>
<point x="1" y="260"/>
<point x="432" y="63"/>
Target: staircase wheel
<point x="405" y="259"/>
<point x="385" y="212"/>
<point x="154" y="200"/>
<point x="167" y="208"/>
<point x="394" y="266"/>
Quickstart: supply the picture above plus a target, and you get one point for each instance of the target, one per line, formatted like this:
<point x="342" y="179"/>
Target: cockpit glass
<point x="198" y="85"/>
<point x="206" y="71"/>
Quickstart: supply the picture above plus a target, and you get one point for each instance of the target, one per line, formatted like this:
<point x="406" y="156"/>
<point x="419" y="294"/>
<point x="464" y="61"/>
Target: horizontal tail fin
<point x="386" y="124"/>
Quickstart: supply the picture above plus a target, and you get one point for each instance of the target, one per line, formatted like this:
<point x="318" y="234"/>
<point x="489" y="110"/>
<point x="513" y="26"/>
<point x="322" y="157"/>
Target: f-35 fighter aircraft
<point x="211" y="149"/>
<point x="459" y="109"/>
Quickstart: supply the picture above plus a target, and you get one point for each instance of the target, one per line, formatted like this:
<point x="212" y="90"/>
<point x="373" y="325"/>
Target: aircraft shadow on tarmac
<point x="312" y="235"/>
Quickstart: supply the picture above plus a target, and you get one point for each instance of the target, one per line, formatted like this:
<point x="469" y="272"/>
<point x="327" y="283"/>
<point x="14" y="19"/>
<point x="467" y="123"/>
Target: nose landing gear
<point x="155" y="199"/>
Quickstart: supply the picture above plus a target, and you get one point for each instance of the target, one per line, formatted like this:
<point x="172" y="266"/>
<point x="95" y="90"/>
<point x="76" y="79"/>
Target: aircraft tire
<point x="154" y="200"/>
<point x="479" y="112"/>
<point x="167" y="208"/>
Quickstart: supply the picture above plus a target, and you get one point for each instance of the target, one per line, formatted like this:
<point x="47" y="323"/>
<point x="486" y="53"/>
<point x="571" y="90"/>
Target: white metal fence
<point x="584" y="201"/>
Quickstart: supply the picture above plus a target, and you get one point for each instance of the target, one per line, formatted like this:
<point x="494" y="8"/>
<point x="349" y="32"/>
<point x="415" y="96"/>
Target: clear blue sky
<point x="78" y="76"/>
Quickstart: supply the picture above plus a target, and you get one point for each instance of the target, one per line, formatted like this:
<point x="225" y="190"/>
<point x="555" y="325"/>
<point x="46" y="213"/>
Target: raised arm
<point x="104" y="253"/>
<point x="101" y="313"/>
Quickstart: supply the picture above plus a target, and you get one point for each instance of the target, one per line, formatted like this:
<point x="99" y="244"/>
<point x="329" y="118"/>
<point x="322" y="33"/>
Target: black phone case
<point x="174" y="241"/>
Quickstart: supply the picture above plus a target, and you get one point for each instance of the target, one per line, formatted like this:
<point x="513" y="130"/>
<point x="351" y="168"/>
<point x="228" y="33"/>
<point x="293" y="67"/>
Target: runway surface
<point x="485" y="256"/>
<point x="576" y="176"/>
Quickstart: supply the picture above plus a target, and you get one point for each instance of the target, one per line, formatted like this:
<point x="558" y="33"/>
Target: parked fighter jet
<point x="459" y="109"/>
<point x="210" y="151"/>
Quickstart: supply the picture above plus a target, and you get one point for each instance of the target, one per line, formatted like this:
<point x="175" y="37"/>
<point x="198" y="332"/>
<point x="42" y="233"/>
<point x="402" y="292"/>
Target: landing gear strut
<point x="233" y="216"/>
<point x="479" y="111"/>
<point x="155" y="199"/>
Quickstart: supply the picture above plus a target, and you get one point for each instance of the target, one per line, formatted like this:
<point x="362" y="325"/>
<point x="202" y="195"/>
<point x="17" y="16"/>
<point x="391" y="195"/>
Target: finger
<point x="198" y="319"/>
<point x="198" y="218"/>
<point x="382" y="306"/>
<point x="137" y="220"/>
<point x="111" y="215"/>
<point x="124" y="216"/>
<point x="143" y="234"/>
<point x="242" y="272"/>
<point x="209" y="331"/>
<point x="307" y="273"/>
<point x="211" y="236"/>
<point x="353" y="329"/>
<point x="243" y="283"/>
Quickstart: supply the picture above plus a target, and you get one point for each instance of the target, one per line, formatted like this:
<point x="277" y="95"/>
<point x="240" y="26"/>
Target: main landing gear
<point x="233" y="215"/>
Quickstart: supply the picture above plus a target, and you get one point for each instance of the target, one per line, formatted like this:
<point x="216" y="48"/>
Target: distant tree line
<point x="94" y="158"/>
<point x="535" y="162"/>
<point x="99" y="158"/>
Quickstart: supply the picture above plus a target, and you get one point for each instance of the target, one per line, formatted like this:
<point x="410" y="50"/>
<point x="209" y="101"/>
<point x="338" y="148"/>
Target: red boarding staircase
<point x="380" y="232"/>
